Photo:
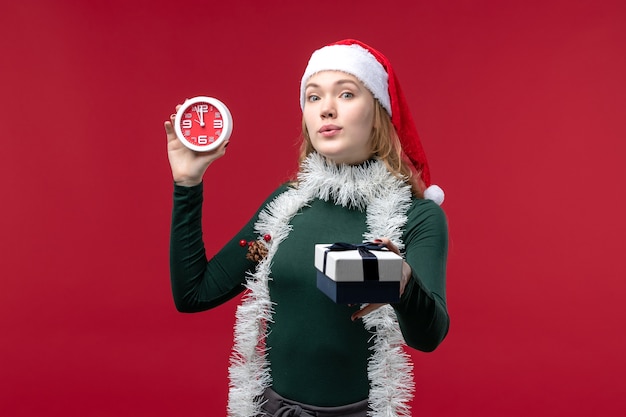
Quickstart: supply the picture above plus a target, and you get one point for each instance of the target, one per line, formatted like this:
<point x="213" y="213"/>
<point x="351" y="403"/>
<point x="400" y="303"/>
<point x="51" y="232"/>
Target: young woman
<point x="363" y="177"/>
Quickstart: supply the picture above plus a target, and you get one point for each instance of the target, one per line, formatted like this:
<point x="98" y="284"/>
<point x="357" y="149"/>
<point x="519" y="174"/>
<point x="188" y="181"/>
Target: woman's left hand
<point x="406" y="276"/>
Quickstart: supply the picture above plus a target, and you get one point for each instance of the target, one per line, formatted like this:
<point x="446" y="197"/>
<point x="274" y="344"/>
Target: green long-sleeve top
<point x="317" y="354"/>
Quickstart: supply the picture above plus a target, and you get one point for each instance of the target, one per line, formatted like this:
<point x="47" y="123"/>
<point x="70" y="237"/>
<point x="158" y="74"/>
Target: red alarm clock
<point x="203" y="123"/>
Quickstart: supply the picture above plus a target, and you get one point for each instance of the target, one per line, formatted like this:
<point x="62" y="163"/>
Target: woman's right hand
<point x="188" y="166"/>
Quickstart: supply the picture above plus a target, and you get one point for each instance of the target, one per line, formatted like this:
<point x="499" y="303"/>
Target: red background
<point x="520" y="106"/>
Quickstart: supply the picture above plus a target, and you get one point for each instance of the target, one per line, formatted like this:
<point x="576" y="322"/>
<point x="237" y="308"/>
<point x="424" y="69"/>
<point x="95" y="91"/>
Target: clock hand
<point x="201" y="116"/>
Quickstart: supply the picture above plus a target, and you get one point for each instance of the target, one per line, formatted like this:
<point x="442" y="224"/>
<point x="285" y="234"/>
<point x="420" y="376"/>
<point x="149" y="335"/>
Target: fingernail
<point x="377" y="240"/>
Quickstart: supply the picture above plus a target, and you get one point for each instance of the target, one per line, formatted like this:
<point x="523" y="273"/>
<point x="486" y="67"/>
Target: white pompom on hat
<point x="374" y="70"/>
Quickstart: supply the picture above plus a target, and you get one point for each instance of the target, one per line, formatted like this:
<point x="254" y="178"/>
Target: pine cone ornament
<point x="256" y="251"/>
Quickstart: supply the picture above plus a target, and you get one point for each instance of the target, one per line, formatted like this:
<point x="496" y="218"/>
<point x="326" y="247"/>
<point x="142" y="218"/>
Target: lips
<point x="326" y="128"/>
<point x="329" y="130"/>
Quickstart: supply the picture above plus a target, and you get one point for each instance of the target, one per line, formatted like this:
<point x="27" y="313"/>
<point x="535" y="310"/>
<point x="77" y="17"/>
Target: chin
<point x="333" y="157"/>
<point x="341" y="155"/>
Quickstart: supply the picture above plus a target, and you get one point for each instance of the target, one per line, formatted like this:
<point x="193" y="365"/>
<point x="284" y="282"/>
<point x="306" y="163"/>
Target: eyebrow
<point x="338" y="82"/>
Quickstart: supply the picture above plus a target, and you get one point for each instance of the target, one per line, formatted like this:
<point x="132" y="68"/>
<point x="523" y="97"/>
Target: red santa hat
<point x="374" y="70"/>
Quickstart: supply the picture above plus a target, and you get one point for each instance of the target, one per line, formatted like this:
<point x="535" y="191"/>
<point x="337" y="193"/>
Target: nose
<point x="328" y="110"/>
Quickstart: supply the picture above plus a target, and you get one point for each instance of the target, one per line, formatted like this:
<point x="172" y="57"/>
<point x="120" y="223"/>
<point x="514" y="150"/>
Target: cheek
<point x="306" y="117"/>
<point x="367" y="125"/>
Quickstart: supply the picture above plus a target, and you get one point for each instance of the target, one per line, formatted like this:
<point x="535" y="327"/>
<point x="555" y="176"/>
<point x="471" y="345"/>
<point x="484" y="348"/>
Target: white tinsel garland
<point x="386" y="200"/>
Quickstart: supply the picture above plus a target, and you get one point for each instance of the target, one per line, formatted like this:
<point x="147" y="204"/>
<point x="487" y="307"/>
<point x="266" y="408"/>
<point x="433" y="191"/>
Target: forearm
<point x="198" y="284"/>
<point x="422" y="316"/>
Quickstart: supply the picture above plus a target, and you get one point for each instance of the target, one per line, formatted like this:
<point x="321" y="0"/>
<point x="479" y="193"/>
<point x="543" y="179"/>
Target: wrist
<point x="187" y="182"/>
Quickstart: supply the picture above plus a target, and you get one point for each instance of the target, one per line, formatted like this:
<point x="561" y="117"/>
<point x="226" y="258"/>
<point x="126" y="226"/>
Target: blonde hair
<point x="385" y="145"/>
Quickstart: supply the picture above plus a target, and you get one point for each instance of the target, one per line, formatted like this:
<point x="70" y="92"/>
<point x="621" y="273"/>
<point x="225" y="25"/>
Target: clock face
<point x="203" y="123"/>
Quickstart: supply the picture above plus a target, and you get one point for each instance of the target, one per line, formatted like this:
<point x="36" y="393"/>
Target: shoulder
<point x="426" y="214"/>
<point x="421" y="207"/>
<point x="278" y="191"/>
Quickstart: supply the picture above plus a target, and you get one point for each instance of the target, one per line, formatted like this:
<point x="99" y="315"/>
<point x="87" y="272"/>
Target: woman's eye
<point x="347" y="95"/>
<point x="313" y="97"/>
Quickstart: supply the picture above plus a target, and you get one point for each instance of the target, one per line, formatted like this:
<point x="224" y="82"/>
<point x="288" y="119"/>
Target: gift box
<point x="363" y="273"/>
